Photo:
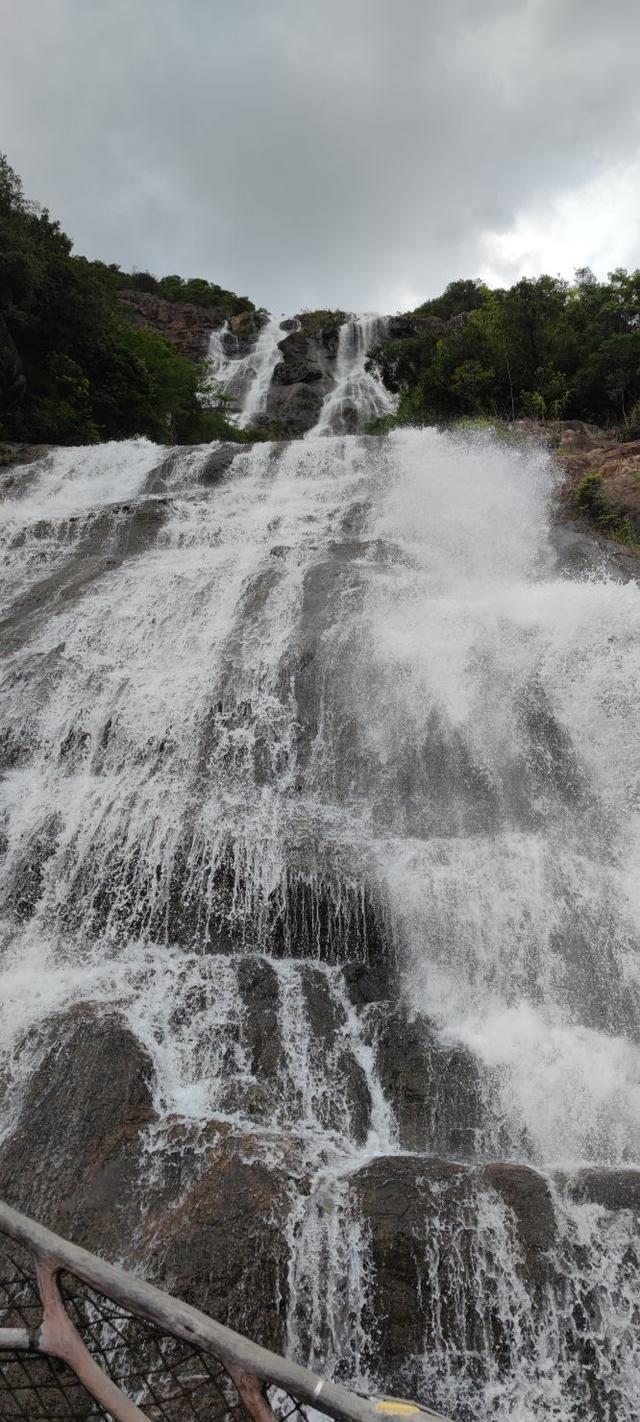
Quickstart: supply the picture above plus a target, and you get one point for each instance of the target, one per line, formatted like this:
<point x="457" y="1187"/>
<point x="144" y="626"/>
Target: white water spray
<point x="357" y="395"/>
<point x="246" y="378"/>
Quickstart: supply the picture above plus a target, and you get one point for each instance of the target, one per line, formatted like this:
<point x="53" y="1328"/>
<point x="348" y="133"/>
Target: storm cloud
<point x="358" y="153"/>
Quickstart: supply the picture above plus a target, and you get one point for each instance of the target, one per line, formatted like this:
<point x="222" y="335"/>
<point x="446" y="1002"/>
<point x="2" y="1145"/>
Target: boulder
<point x="433" y="1228"/>
<point x="222" y="1244"/>
<point x="74" y="1159"/>
<point x="613" y="1189"/>
<point x="435" y="1089"/>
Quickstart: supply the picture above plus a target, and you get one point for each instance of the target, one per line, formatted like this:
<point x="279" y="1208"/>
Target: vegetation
<point x="542" y="348"/>
<point x="174" y="288"/>
<point x="72" y="370"/>
<point x="591" y="499"/>
<point x="314" y="321"/>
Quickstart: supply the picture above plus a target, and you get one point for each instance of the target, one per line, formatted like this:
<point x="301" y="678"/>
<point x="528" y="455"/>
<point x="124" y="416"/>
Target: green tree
<point x="72" y="370"/>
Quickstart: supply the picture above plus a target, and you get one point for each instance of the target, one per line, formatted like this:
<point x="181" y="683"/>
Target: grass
<point x="592" y="501"/>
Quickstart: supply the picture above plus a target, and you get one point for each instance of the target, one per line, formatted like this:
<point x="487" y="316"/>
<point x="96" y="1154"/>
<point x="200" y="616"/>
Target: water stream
<point x="339" y="713"/>
<point x="245" y="376"/>
<point x="356" y="396"/>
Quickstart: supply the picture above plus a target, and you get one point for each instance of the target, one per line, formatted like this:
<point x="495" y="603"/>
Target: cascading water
<point x="357" y="395"/>
<point x="322" y="771"/>
<point x="245" y="377"/>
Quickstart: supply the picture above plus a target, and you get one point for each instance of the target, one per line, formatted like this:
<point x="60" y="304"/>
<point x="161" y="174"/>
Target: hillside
<point x="77" y="362"/>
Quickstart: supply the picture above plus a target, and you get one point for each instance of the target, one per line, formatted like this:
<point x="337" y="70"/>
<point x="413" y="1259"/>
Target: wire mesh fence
<point x="169" y="1379"/>
<point x="34" y="1386"/>
<point x="83" y="1339"/>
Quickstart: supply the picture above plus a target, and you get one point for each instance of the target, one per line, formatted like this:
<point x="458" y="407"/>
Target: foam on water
<point x="70" y="481"/>
<point x="50" y="506"/>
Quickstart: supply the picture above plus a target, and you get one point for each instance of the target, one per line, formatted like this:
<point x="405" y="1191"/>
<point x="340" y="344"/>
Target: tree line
<point x="72" y="369"/>
<point x="543" y="348"/>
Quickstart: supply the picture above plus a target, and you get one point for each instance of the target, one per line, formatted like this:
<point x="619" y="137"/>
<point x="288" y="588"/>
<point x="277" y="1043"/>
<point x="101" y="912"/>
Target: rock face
<point x="187" y="326"/>
<point x="246" y="327"/>
<point x="74" y="1158"/>
<point x="125" y="530"/>
<point x="436" y="1089"/>
<point x="611" y="1189"/>
<point x="222" y="1245"/>
<point x="262" y="1105"/>
<point x="602" y="475"/>
<point x="205" y="1219"/>
<point x="404" y="325"/>
<point x="305" y="374"/>
<point x="426" y="1238"/>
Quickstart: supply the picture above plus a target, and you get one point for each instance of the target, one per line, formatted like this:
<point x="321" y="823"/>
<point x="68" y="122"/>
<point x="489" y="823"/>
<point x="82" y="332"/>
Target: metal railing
<point x="84" y="1339"/>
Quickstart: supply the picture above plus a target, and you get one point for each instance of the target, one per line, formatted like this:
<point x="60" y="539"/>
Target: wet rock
<point x="579" y="552"/>
<point x="222" y="1246"/>
<point x="246" y="327"/>
<point x="293" y="409"/>
<point x="327" y="1020"/>
<point x="399" y="1200"/>
<point x="301" y="360"/>
<point x="329" y="920"/>
<point x="24" y="875"/>
<point x="614" y="1189"/>
<point x="258" y="986"/>
<point x="427" y="1250"/>
<point x="365" y="983"/>
<point x="435" y="1089"/>
<point x="528" y="1196"/>
<point x="75" y="1156"/>
<point x="442" y="786"/>
<point x="306" y="372"/>
<point x="218" y="464"/>
<point x="116" y="533"/>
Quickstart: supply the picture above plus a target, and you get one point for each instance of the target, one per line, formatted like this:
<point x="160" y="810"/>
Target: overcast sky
<point x="355" y="153"/>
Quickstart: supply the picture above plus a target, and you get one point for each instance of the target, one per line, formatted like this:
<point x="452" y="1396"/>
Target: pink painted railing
<point x="83" y="1339"/>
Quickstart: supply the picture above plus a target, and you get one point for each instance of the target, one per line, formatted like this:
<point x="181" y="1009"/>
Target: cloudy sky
<point x="358" y="153"/>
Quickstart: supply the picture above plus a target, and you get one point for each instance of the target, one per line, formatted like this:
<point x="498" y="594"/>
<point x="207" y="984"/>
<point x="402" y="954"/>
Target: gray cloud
<point x="354" y="152"/>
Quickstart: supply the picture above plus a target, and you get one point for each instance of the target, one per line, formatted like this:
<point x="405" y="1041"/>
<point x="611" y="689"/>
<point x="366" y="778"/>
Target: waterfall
<point x="245" y="377"/>
<point x="321" y="770"/>
<point x="357" y="396"/>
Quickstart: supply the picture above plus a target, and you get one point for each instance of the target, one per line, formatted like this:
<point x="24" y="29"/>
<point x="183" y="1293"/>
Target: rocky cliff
<point x="602" y="476"/>
<point x="305" y="373"/>
<point x="187" y="326"/>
